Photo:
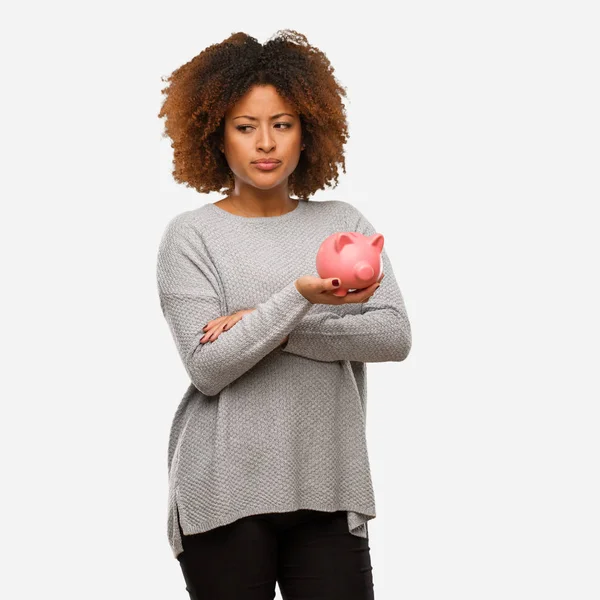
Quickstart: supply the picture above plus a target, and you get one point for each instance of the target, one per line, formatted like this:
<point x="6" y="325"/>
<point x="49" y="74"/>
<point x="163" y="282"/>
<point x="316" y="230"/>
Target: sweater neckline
<point x="277" y="218"/>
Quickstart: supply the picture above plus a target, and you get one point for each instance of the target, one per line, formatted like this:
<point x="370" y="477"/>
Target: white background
<point x="474" y="148"/>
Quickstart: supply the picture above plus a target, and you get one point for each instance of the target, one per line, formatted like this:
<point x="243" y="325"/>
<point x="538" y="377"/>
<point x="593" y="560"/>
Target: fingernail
<point x="336" y="282"/>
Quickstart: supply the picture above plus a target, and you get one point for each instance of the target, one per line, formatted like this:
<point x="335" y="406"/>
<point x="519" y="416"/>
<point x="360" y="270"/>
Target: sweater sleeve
<point x="380" y="333"/>
<point x="190" y="294"/>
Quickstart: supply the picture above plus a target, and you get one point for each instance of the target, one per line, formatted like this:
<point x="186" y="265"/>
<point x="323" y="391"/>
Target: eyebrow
<point x="255" y="119"/>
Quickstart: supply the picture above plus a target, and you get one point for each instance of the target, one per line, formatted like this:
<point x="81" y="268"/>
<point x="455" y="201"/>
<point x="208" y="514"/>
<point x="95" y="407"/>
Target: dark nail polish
<point x="336" y="282"/>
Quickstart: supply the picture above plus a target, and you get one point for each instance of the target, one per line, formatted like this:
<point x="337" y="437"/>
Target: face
<point x="269" y="134"/>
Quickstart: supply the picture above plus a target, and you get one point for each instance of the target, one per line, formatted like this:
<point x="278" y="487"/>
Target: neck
<point x="256" y="206"/>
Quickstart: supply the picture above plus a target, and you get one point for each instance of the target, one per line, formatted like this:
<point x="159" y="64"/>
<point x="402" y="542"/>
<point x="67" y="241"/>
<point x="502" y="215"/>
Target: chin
<point x="267" y="180"/>
<point x="263" y="186"/>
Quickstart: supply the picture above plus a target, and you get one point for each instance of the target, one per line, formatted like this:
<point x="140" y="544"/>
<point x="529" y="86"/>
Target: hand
<point x="215" y="327"/>
<point x="320" y="291"/>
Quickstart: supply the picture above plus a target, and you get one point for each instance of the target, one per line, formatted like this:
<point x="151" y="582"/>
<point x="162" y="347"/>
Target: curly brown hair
<point x="202" y="90"/>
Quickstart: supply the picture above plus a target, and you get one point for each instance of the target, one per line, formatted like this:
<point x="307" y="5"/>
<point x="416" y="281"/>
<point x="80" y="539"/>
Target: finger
<point x="213" y="333"/>
<point x="327" y="285"/>
<point x="219" y="321"/>
<point x="373" y="286"/>
<point x="205" y="337"/>
<point x="231" y="322"/>
<point x="210" y="324"/>
<point x="362" y="295"/>
<point x="214" y="322"/>
<point x="226" y="326"/>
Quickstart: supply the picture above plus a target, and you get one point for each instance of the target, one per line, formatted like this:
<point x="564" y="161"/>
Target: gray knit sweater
<point x="265" y="428"/>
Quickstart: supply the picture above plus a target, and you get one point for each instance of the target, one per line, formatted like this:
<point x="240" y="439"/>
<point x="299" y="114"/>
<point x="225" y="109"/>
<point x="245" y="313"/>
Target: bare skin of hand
<point x="321" y="291"/>
<point x="215" y="327"/>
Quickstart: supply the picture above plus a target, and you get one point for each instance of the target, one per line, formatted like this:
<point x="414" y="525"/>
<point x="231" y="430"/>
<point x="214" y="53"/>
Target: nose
<point x="265" y="141"/>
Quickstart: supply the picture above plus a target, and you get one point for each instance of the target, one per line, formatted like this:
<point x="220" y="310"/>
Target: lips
<point x="266" y="162"/>
<point x="267" y="166"/>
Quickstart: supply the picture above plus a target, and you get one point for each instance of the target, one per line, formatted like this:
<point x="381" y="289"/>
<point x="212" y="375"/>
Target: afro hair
<point x="201" y="91"/>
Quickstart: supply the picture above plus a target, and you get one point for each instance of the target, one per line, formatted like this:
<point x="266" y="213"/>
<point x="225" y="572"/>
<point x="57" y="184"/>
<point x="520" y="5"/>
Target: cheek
<point x="238" y="152"/>
<point x="296" y="156"/>
<point x="236" y="142"/>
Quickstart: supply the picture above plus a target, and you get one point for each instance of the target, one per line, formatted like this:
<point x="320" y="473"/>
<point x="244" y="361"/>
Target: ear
<point x="341" y="240"/>
<point x="376" y="240"/>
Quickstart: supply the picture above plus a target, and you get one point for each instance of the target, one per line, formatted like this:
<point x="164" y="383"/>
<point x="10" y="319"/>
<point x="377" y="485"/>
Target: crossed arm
<point x="189" y="298"/>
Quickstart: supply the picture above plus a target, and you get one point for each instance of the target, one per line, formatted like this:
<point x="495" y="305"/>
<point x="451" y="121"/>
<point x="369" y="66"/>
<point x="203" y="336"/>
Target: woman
<point x="269" y="479"/>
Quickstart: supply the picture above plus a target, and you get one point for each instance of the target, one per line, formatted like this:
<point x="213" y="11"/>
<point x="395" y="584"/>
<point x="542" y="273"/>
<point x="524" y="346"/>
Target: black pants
<point x="310" y="554"/>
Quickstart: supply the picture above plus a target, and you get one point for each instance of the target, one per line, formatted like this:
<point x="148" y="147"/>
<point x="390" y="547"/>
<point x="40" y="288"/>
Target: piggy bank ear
<point x="341" y="239"/>
<point x="376" y="240"/>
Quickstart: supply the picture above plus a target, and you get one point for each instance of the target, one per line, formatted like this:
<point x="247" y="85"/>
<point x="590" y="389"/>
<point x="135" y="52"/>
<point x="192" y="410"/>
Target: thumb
<point x="333" y="283"/>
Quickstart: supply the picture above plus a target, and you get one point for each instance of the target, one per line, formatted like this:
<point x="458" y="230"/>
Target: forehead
<point x="261" y="101"/>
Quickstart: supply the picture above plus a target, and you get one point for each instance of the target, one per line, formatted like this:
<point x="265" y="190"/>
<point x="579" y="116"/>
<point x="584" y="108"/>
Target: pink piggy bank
<point x="353" y="257"/>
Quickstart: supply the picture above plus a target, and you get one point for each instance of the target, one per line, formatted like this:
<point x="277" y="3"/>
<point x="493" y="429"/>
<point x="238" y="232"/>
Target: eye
<point x="243" y="128"/>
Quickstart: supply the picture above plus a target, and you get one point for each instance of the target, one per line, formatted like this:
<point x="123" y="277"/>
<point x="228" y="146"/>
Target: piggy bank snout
<point x="364" y="271"/>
